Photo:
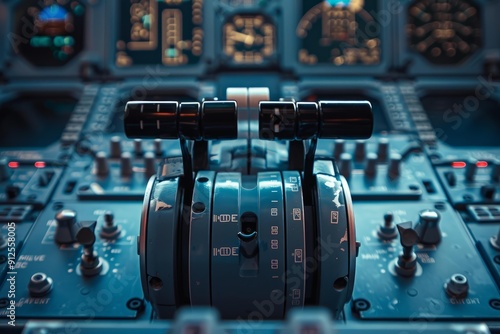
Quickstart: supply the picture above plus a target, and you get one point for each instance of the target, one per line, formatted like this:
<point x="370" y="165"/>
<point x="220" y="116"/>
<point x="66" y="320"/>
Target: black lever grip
<point x="325" y="119"/>
<point x="171" y="120"/>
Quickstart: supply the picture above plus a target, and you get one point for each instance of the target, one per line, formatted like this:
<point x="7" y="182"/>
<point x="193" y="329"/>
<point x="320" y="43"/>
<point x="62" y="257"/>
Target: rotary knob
<point x="66" y="219"/>
<point x="428" y="227"/>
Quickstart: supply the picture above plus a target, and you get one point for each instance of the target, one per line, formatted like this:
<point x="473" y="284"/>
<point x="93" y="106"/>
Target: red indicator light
<point x="458" y="164"/>
<point x="40" y="164"/>
<point x="482" y="164"/>
<point x="13" y="164"/>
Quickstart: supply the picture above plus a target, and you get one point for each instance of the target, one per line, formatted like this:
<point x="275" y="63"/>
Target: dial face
<point x="50" y="32"/>
<point x="152" y="31"/>
<point x="339" y="32"/>
<point x="444" y="32"/>
<point x="249" y="39"/>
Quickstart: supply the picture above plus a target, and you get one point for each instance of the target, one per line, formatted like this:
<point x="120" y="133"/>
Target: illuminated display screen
<point x="339" y="32"/>
<point x="49" y="33"/>
<point x="152" y="32"/>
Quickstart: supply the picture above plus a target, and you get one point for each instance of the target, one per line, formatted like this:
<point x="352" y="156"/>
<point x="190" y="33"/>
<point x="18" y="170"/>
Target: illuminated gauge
<point x="249" y="39"/>
<point x="151" y="31"/>
<point x="444" y="32"/>
<point x="339" y="32"/>
<point x="49" y="33"/>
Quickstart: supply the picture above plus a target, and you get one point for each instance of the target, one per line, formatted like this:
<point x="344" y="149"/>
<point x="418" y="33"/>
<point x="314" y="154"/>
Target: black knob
<point x="338" y="148"/>
<point x="371" y="165"/>
<point x="345" y="167"/>
<point x="451" y="178"/>
<point x="126" y="165"/>
<point x="138" y="147"/>
<point x="470" y="170"/>
<point x="383" y="149"/>
<point x="150" y="166"/>
<point x="428" y="227"/>
<point x="406" y="264"/>
<point x="387" y="231"/>
<point x="101" y="164"/>
<point x="5" y="171"/>
<point x="110" y="230"/>
<point x="360" y="150"/>
<point x="488" y="191"/>
<point x="394" y="170"/>
<point x="66" y="219"/>
<point x="495" y="171"/>
<point x="12" y="191"/>
<point x="115" y="147"/>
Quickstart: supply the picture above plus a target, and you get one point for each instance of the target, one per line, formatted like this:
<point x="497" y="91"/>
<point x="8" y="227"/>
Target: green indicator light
<point x="69" y="41"/>
<point x="171" y="53"/>
<point x="58" y="41"/>
<point x="146" y="21"/>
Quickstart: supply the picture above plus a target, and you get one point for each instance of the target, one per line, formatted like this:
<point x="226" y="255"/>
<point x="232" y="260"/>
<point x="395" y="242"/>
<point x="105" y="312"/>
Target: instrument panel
<point x="444" y="33"/>
<point x="197" y="36"/>
<point x="50" y="33"/>
<point x="150" y="32"/>
<point x="339" y="33"/>
<point x="429" y="68"/>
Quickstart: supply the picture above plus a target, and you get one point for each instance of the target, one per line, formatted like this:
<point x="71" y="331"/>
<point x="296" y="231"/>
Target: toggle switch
<point x="90" y="263"/>
<point x="406" y="264"/>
